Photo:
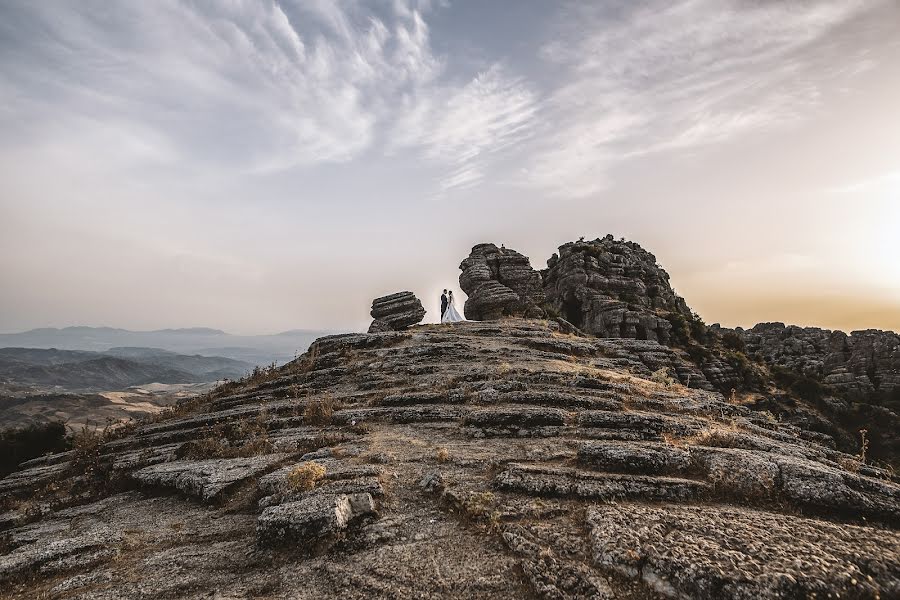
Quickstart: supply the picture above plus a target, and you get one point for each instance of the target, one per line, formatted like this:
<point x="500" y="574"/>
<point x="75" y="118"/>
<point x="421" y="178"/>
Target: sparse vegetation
<point x="442" y="455"/>
<point x="662" y="377"/>
<point x="478" y="504"/>
<point x="304" y="476"/>
<point x="242" y="438"/>
<point x="319" y="411"/>
<point x="733" y="341"/>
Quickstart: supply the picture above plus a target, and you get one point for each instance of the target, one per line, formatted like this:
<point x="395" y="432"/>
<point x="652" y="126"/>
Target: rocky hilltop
<point x="508" y="458"/>
<point x="613" y="289"/>
<point x="831" y="382"/>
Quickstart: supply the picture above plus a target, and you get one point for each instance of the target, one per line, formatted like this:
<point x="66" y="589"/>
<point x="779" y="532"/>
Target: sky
<point x="259" y="166"/>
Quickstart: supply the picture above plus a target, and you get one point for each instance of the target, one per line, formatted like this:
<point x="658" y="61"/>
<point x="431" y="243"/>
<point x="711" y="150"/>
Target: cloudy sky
<point x="266" y="165"/>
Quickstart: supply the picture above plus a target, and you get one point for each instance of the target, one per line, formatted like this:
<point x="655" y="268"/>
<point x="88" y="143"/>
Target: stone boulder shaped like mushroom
<point x="500" y="282"/>
<point x="611" y="288"/>
<point x="396" y="312"/>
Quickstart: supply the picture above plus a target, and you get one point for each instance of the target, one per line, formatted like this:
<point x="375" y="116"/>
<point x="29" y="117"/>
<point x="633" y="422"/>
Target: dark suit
<point x="443" y="304"/>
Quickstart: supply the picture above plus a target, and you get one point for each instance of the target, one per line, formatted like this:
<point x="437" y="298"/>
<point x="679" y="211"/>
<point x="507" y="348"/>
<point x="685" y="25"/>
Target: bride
<point x="451" y="315"/>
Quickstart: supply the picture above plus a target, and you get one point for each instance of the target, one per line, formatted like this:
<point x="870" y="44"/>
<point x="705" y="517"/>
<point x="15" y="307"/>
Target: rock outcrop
<point x="860" y="364"/>
<point x="396" y="312"/>
<point x="497" y="459"/>
<point x="500" y="283"/>
<point x="612" y="288"/>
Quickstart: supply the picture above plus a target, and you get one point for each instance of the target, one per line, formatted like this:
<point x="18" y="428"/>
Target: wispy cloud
<point x="255" y="86"/>
<point x="658" y="76"/>
<point x="464" y="126"/>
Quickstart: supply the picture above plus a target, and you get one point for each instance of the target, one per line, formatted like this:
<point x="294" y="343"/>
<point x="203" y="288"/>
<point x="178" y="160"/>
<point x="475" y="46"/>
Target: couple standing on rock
<point x="449" y="314"/>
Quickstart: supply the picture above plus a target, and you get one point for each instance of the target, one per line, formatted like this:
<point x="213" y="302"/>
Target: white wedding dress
<point x="451" y="315"/>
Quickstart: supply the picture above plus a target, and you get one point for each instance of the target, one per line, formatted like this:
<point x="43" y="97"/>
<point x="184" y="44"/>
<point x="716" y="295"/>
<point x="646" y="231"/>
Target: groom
<point x="443" y="303"/>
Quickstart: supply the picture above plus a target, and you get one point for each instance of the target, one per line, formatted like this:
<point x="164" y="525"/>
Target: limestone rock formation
<point x="861" y="363"/>
<point x="396" y="312"/>
<point x="497" y="459"/>
<point x="612" y="289"/>
<point x="500" y="282"/>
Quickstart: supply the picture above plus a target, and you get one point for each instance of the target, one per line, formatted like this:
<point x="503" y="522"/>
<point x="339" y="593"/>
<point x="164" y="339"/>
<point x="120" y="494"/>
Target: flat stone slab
<point x="205" y="479"/>
<point x="311" y="518"/>
<point x="516" y="416"/>
<point x="716" y="552"/>
<point x="567" y="482"/>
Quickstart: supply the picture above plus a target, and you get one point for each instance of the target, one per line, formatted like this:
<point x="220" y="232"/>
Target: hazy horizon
<point x="259" y="167"/>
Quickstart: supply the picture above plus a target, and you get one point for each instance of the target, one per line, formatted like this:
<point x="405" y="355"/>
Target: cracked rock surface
<point x="496" y="459"/>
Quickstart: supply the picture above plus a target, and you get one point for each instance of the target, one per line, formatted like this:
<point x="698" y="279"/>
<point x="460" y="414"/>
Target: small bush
<point x="662" y="376"/>
<point x="733" y="341"/>
<point x="550" y="311"/>
<point x="319" y="412"/>
<point x="478" y="504"/>
<point x="304" y="476"/>
<point x="442" y="455"/>
<point x="86" y="446"/>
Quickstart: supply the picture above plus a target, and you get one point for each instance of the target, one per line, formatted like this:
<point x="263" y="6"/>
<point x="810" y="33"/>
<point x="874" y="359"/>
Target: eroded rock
<point x="396" y="312"/>
<point x="500" y="282"/>
<point x="312" y="518"/>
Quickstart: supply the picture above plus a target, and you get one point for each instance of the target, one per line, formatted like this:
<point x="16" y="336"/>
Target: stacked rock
<point x="612" y="288"/>
<point x="500" y="282"/>
<point x="396" y="312"/>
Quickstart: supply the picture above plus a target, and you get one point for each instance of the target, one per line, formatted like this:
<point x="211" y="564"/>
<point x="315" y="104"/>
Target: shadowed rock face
<point x="495" y="459"/>
<point x="862" y="363"/>
<point x="500" y="282"/>
<point x="612" y="289"/>
<point x="396" y="312"/>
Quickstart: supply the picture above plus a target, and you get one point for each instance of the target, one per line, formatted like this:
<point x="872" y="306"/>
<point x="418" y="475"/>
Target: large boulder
<point x="396" y="312"/>
<point x="612" y="288"/>
<point x="500" y="282"/>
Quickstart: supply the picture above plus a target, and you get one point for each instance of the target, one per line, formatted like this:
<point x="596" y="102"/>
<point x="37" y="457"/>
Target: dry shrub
<point x="319" y="412"/>
<point x="304" y="476"/>
<point x="662" y="377"/>
<point x="478" y="504"/>
<point x="239" y="439"/>
<point x="442" y="455"/>
<point x="361" y="428"/>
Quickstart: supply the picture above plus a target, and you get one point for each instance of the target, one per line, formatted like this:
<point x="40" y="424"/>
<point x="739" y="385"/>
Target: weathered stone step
<point x="560" y="400"/>
<point x="541" y="480"/>
<point x="401" y="414"/>
<point x="728" y="553"/>
<point x="651" y="458"/>
<point x="512" y="416"/>
<point x="311" y="519"/>
<point x="206" y="479"/>
<point x="640" y="421"/>
<point x="29" y="479"/>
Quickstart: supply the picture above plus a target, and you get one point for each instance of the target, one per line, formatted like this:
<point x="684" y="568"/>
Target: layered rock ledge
<point x="396" y="312"/>
<point x="497" y="459"/>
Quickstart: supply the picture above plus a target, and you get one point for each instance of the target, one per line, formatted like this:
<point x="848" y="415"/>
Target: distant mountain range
<point x="115" y="369"/>
<point x="254" y="349"/>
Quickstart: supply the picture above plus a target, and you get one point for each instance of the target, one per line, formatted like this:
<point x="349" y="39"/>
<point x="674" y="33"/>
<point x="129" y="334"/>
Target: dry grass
<point x="304" y="476"/>
<point x="662" y="376"/>
<point x="238" y="439"/>
<point x="442" y="455"/>
<point x="320" y="411"/>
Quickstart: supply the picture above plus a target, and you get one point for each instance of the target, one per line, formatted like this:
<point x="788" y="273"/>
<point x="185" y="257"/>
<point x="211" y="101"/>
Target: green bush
<point x="733" y="341"/>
